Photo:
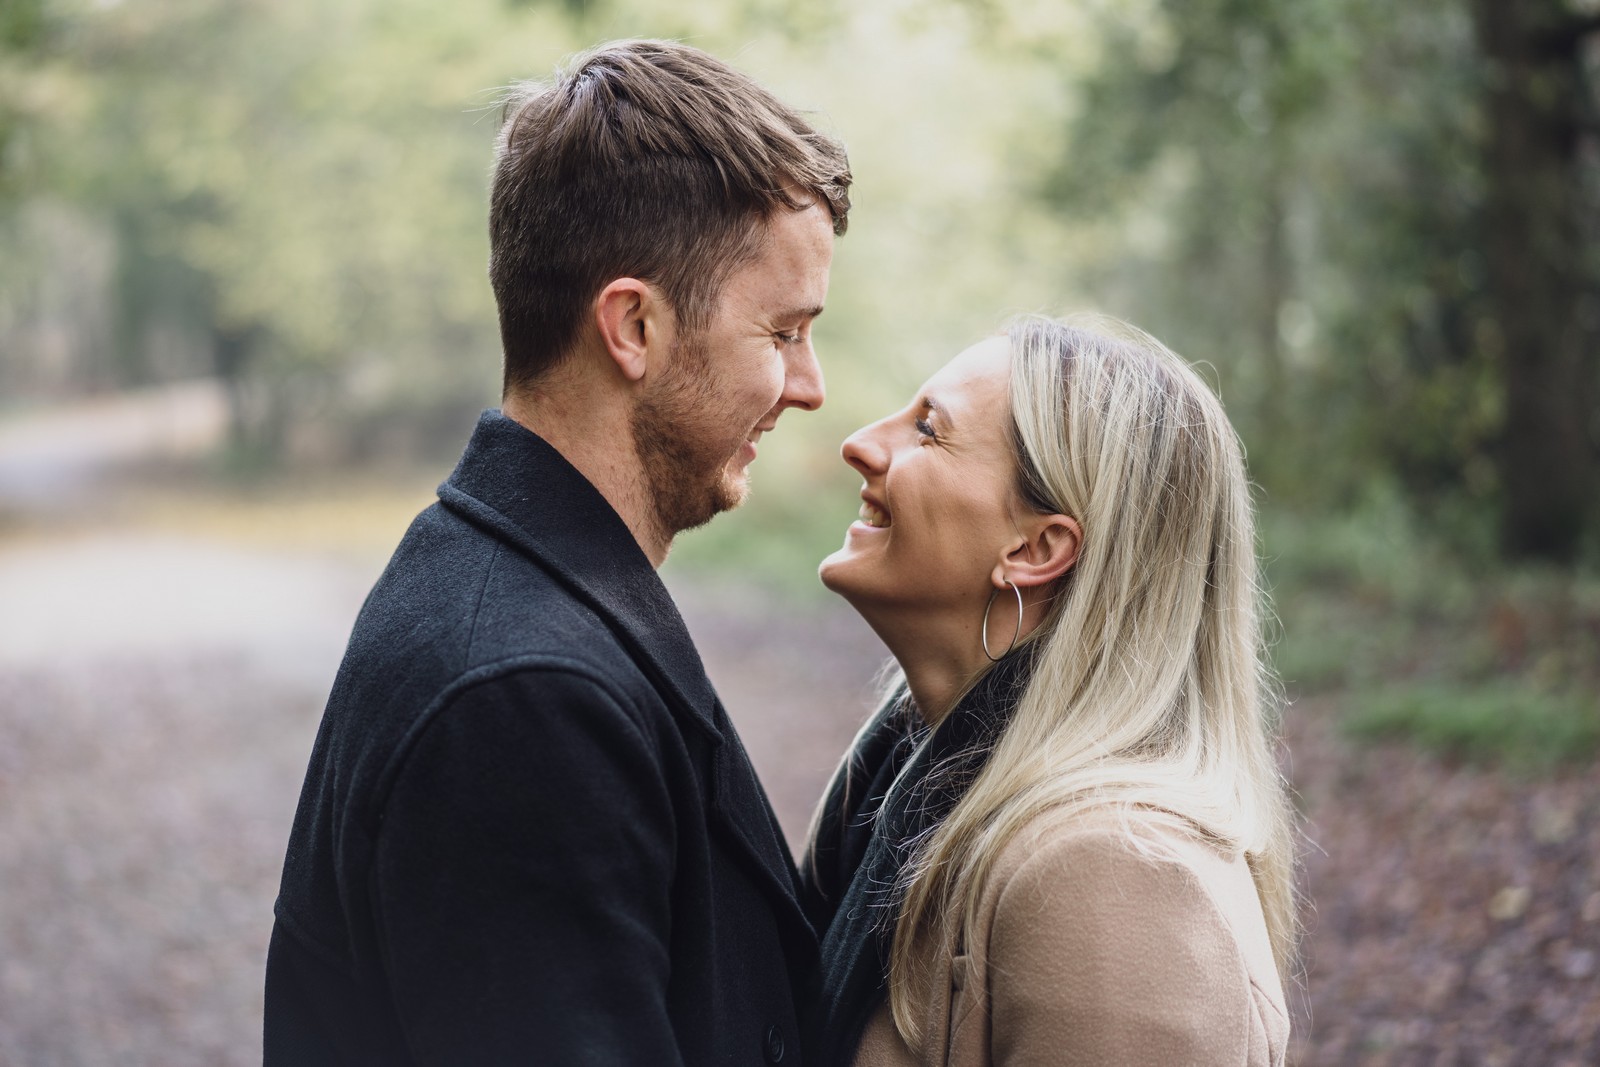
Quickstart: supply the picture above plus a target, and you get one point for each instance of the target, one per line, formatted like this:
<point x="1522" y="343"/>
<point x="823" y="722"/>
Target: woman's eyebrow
<point x="932" y="404"/>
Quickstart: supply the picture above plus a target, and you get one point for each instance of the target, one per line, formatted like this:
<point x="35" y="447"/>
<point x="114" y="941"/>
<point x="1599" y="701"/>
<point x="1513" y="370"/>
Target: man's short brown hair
<point x="642" y="159"/>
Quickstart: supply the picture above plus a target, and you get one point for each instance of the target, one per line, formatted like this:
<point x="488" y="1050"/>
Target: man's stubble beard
<point x="686" y="476"/>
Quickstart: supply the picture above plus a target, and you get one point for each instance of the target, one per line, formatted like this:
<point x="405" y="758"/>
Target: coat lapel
<point x="515" y="485"/>
<point x="744" y="813"/>
<point x="917" y="793"/>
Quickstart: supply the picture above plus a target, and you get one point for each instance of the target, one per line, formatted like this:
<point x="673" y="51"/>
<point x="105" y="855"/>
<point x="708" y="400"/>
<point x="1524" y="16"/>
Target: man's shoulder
<point x="464" y="646"/>
<point x="459" y="616"/>
<point x="456" y="599"/>
<point x="456" y="607"/>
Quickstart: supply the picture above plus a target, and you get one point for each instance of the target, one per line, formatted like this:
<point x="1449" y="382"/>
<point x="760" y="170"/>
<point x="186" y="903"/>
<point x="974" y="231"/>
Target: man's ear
<point x="629" y="315"/>
<point x="1048" y="549"/>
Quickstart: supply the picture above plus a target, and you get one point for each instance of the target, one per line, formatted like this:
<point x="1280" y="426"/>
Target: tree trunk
<point x="1276" y="287"/>
<point x="234" y="350"/>
<point x="1537" y="271"/>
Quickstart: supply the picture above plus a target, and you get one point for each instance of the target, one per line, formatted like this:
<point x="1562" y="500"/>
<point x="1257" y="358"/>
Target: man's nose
<point x="802" y="379"/>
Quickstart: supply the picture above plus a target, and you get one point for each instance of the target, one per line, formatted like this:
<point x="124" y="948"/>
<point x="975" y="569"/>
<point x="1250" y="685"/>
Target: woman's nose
<point x="865" y="451"/>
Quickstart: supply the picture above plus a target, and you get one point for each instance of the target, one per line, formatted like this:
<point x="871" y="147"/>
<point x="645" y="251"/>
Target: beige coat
<point x="1090" y="953"/>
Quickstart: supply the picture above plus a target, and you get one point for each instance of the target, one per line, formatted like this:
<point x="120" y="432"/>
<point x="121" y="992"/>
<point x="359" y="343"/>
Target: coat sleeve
<point x="1101" y="956"/>
<point x="523" y="879"/>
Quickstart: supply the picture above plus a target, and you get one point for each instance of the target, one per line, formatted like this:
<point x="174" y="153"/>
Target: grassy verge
<point x="1468" y="657"/>
<point x="1507" y="720"/>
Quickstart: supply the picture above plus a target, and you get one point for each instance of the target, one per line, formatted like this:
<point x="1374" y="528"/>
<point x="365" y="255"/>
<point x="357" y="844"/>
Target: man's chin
<point x="734" y="487"/>
<point x="726" y="494"/>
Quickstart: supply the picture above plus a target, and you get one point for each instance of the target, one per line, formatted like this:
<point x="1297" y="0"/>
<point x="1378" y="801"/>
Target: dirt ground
<point x="158" y="697"/>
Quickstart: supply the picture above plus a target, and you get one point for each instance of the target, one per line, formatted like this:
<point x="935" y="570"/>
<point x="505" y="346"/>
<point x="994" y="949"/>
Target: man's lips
<point x="748" y="451"/>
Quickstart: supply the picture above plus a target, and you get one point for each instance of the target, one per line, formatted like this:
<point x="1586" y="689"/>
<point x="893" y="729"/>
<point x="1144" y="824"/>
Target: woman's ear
<point x="628" y="313"/>
<point x="1048" y="549"/>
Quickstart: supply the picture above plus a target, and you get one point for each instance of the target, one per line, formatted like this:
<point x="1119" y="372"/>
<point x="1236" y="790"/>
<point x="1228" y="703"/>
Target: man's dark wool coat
<point x="529" y="833"/>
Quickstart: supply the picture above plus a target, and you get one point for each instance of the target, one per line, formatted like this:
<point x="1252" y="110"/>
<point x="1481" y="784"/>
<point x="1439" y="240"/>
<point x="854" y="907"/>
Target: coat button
<point x="773" y="1045"/>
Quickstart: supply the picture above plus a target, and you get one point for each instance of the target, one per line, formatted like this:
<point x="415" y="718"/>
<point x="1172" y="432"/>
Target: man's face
<point x="697" y="425"/>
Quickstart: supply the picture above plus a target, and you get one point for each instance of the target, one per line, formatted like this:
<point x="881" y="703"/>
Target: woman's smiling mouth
<point x="872" y="515"/>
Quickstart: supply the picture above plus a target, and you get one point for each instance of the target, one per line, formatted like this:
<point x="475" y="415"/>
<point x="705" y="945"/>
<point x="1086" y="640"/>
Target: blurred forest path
<point x="51" y="458"/>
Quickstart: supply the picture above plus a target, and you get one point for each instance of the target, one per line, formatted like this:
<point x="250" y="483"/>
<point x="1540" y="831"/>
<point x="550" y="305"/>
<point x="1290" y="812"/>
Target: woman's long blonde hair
<point x="1151" y="698"/>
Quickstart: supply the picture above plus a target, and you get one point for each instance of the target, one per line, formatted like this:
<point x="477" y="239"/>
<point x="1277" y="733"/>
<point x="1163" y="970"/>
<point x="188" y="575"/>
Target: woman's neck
<point x="939" y="664"/>
<point x="941" y="655"/>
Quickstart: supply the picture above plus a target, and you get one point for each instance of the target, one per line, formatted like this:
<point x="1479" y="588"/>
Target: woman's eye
<point x="925" y="428"/>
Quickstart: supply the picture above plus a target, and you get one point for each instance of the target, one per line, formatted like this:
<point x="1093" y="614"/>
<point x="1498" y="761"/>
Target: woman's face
<point x="938" y="500"/>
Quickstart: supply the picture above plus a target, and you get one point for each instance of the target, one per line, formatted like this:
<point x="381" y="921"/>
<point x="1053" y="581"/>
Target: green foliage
<point x="22" y="24"/>
<point x="1352" y="591"/>
<point x="1506" y="722"/>
<point x="296" y="190"/>
<point x="1454" y="650"/>
<point x="24" y="32"/>
<point x="1299" y="189"/>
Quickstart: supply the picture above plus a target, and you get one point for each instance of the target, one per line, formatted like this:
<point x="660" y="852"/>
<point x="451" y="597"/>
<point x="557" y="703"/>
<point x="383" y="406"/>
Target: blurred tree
<point x="1544" y="291"/>
<point x="345" y="265"/>
<point x="1206" y="102"/>
<point x="1309" y="194"/>
<point x="295" y="196"/>
<point x="41" y="93"/>
<point x="23" y="34"/>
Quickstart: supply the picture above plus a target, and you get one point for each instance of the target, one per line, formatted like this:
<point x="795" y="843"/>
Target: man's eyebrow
<point x="789" y="314"/>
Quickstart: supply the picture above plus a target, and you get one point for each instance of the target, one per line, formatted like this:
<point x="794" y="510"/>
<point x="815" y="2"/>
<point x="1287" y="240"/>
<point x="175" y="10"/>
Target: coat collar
<point x="513" y="483"/>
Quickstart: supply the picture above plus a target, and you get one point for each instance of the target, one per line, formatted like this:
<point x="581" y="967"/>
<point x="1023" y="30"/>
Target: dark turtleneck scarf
<point x="900" y="782"/>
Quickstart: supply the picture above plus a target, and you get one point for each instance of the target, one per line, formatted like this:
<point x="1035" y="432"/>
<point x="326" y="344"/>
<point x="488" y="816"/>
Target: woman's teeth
<point x="874" y="516"/>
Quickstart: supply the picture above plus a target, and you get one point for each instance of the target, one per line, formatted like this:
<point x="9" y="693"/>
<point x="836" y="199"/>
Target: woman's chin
<point x="840" y="571"/>
<point x="829" y="571"/>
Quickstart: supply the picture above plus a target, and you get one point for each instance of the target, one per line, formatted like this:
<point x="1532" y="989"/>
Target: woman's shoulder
<point x="1136" y="852"/>
<point x="1149" y="847"/>
<point x="1116" y="939"/>
<point x="1134" y="896"/>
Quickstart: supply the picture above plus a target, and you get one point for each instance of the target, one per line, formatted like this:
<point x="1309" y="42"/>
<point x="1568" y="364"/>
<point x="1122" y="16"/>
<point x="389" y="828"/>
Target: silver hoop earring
<point x="985" y="634"/>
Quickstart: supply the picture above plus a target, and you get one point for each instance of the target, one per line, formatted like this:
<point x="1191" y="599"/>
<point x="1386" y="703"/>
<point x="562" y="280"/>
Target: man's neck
<point x="598" y="441"/>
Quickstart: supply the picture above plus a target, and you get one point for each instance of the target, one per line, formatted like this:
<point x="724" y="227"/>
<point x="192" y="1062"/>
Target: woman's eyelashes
<point x="925" y="428"/>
